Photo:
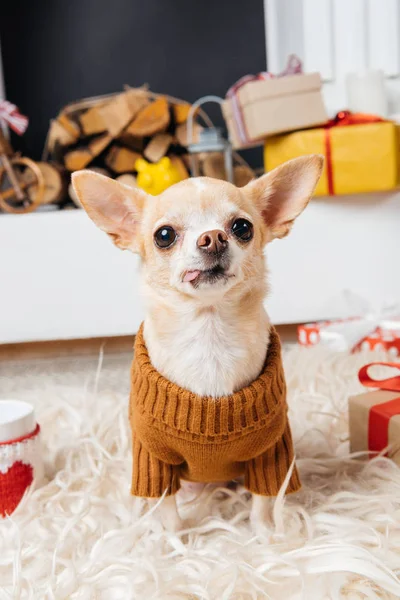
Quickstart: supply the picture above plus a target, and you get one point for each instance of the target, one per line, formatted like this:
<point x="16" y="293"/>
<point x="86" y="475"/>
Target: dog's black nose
<point x="214" y="242"/>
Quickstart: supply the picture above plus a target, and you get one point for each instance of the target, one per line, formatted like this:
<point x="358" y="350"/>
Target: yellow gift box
<point x="358" y="157"/>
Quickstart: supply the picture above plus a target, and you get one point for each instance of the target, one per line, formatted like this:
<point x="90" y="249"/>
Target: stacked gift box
<point x="286" y="114"/>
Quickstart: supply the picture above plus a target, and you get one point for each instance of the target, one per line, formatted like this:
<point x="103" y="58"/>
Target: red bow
<point x="392" y="384"/>
<point x="10" y="114"/>
<point x="342" y="119"/>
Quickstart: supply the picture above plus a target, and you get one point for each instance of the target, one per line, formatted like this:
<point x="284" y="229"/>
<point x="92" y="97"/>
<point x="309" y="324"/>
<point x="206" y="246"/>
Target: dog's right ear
<point x="113" y="207"/>
<point x="282" y="194"/>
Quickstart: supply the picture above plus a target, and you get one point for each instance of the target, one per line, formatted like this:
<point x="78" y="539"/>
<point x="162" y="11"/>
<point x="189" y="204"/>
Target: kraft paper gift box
<point x="261" y="108"/>
<point x="374" y="417"/>
<point x="359" y="158"/>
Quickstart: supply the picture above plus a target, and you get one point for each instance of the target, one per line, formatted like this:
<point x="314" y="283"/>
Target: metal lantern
<point x="210" y="140"/>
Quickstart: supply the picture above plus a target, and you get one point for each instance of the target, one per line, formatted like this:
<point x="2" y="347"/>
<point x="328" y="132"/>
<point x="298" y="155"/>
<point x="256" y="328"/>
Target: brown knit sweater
<point x="178" y="434"/>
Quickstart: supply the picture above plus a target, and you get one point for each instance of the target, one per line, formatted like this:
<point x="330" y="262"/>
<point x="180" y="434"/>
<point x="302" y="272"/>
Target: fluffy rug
<point x="81" y="536"/>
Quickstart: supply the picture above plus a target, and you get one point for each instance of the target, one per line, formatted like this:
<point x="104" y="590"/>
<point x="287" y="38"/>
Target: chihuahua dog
<point x="203" y="272"/>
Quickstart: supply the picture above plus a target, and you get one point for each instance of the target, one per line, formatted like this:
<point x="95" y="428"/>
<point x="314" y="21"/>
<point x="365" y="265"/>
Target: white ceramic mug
<point x="20" y="453"/>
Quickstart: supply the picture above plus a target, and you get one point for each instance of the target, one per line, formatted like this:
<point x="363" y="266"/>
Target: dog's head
<point x="201" y="237"/>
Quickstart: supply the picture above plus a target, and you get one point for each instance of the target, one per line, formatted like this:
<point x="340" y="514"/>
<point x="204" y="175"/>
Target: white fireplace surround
<point x="61" y="278"/>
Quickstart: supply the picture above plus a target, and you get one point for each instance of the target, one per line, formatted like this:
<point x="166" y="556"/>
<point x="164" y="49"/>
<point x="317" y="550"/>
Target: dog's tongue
<point x="191" y="275"/>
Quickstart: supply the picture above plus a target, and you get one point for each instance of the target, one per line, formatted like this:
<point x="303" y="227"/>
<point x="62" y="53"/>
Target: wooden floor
<point x="84" y="347"/>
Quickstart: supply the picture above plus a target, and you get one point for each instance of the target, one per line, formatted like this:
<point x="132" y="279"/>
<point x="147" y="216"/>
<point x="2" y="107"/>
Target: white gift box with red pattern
<point x="20" y="453"/>
<point x="354" y="334"/>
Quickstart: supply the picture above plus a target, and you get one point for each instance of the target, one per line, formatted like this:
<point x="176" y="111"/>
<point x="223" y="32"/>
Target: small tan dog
<point x="203" y="272"/>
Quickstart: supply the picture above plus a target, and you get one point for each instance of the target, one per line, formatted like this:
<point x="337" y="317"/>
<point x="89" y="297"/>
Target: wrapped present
<point x="373" y="332"/>
<point x="374" y="417"/>
<point x="262" y="105"/>
<point x="361" y="153"/>
<point x="381" y="339"/>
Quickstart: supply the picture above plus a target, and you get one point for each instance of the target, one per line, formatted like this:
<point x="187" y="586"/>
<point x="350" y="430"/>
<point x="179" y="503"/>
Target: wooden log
<point x="137" y="100"/>
<point x="55" y="181"/>
<point x="114" y="115"/>
<point x="92" y="121"/>
<point x="69" y="125"/>
<point x="59" y="136"/>
<point x="77" y="159"/>
<point x="73" y="196"/>
<point x="181" y="112"/>
<point x="181" y="133"/>
<point x="122" y="109"/>
<point x="128" y="180"/>
<point x="242" y="175"/>
<point x="180" y="166"/>
<point x="152" y="119"/>
<point x="158" y="147"/>
<point x="121" y="160"/>
<point x="97" y="145"/>
<point x="212" y="165"/>
<point x="132" y="142"/>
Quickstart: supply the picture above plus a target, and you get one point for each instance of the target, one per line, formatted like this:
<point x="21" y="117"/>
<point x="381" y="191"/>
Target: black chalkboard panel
<point x="58" y="51"/>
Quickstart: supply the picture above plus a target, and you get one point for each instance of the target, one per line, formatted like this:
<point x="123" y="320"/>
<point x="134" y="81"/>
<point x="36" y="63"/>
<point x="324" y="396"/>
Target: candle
<point x="20" y="453"/>
<point x="17" y="419"/>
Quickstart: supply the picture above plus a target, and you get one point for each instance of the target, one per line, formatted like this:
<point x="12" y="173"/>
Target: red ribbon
<point x="342" y="119"/>
<point x="10" y="114"/>
<point x="380" y="414"/>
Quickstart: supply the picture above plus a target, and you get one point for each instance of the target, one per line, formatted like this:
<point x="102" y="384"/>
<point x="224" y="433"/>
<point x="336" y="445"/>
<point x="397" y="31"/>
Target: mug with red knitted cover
<point x="20" y="453"/>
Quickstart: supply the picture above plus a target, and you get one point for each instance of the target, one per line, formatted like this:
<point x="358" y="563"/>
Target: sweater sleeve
<point x="150" y="476"/>
<point x="265" y="474"/>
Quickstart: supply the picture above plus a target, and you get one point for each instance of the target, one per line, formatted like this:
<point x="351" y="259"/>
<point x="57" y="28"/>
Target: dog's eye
<point x="165" y="236"/>
<point x="243" y="230"/>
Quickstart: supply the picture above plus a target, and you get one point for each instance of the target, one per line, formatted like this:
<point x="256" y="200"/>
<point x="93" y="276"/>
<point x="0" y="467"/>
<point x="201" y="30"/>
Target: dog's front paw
<point x="171" y="522"/>
<point x="169" y="515"/>
<point x="261" y="517"/>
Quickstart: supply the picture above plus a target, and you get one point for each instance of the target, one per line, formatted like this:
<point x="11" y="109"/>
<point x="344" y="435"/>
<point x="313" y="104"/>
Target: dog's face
<point x="201" y="237"/>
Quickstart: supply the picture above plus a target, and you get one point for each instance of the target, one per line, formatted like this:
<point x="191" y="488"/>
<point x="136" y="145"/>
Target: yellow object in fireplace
<point x="157" y="177"/>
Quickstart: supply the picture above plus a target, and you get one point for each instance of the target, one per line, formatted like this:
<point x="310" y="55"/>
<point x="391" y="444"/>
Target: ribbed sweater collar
<point x="190" y="415"/>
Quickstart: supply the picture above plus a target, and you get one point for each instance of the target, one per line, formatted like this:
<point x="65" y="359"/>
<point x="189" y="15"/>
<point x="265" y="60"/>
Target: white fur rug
<point x="82" y="536"/>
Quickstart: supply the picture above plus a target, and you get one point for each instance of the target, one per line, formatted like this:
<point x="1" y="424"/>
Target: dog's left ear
<point x="113" y="207"/>
<point x="283" y="194"/>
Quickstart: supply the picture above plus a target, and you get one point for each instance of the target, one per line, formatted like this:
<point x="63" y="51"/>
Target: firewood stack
<point x="110" y="133"/>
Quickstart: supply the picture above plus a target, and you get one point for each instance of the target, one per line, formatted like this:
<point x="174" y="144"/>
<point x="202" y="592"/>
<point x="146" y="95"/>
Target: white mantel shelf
<point x="61" y="278"/>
